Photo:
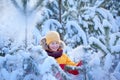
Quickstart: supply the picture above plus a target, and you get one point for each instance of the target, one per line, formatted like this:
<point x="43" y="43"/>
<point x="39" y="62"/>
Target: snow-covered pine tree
<point x="88" y="16"/>
<point x="98" y="25"/>
<point x="113" y="6"/>
<point x="93" y="22"/>
<point x="34" y="64"/>
<point x="50" y="18"/>
<point x="28" y="9"/>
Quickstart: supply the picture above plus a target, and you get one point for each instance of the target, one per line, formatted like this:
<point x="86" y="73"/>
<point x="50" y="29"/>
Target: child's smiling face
<point x="54" y="46"/>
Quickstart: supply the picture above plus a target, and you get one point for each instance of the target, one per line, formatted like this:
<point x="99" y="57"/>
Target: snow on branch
<point x="16" y="4"/>
<point x="106" y="24"/>
<point x="114" y="38"/>
<point x="75" y="32"/>
<point x="96" y="43"/>
<point x="30" y="5"/>
<point x="101" y="3"/>
<point x="115" y="49"/>
<point x="47" y="64"/>
<point x="51" y="24"/>
<point x="51" y="66"/>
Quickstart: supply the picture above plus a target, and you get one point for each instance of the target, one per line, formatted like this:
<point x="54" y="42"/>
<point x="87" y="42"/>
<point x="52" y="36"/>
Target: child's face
<point x="54" y="46"/>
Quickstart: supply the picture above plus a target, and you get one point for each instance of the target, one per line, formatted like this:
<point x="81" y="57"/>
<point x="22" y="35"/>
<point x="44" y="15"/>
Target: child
<point x="54" y="47"/>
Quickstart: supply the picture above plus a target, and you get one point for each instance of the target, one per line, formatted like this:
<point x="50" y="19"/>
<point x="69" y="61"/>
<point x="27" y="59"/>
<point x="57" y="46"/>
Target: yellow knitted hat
<point x="52" y="36"/>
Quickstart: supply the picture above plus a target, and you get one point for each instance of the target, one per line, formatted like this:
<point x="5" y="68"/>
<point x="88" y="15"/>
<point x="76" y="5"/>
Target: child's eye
<point x="55" y="43"/>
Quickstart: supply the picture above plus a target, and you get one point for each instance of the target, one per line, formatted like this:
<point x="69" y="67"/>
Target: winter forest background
<point x="89" y="28"/>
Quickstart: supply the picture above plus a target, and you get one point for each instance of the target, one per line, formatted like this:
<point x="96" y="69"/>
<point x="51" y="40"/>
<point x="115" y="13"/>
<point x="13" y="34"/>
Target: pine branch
<point x="16" y="5"/>
<point x="103" y="4"/>
<point x="64" y="75"/>
<point x="38" y="5"/>
<point x="98" y="47"/>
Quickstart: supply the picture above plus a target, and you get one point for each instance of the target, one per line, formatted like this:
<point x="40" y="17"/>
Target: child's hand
<point x="70" y="69"/>
<point x="67" y="67"/>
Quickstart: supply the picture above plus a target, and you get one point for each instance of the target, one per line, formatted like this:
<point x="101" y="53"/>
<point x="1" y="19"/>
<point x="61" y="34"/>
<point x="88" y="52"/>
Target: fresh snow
<point x="33" y="63"/>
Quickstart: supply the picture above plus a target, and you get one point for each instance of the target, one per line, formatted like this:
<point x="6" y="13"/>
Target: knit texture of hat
<point x="52" y="36"/>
